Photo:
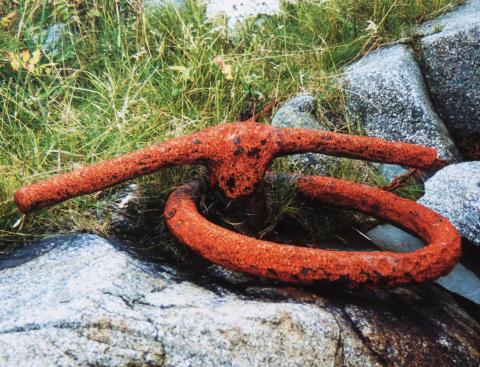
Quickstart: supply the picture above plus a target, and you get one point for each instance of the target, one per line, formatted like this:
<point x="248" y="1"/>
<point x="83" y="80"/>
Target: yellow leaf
<point x="25" y="55"/>
<point x="37" y="54"/>
<point x="179" y="68"/>
<point x="7" y="19"/>
<point x="14" y="62"/>
<point x="225" y="68"/>
<point x="227" y="71"/>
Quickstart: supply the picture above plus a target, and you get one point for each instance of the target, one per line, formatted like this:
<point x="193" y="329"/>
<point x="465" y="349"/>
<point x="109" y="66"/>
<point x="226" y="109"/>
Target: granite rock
<point x="81" y="300"/>
<point x="299" y="113"/>
<point x="57" y="37"/>
<point x="237" y="11"/>
<point x="454" y="192"/>
<point x="451" y="60"/>
<point x="462" y="15"/>
<point x="386" y="93"/>
<point x="156" y="4"/>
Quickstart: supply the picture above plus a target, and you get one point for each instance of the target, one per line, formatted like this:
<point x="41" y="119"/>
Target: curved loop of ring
<point x="309" y="265"/>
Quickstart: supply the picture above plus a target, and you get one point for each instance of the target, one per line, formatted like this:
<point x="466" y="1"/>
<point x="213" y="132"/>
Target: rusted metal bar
<point x="237" y="154"/>
<point x="309" y="265"/>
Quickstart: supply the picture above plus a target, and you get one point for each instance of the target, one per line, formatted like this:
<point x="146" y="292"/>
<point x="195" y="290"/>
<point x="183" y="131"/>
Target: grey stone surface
<point x="299" y="112"/>
<point x="460" y="280"/>
<point x="462" y="15"/>
<point x="390" y="171"/>
<point x="385" y="92"/>
<point x="454" y="192"/>
<point x="452" y="68"/>
<point x="57" y="36"/>
<point x="83" y="301"/>
<point x="229" y="276"/>
<point x="155" y="4"/>
<point x="237" y="11"/>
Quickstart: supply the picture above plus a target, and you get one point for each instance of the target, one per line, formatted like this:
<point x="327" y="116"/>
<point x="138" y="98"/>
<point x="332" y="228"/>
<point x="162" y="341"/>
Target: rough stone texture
<point x="460" y="280"/>
<point x="299" y="112"/>
<point x="153" y="4"/>
<point x="463" y="15"/>
<point x="81" y="301"/>
<point x="237" y="11"/>
<point x="57" y="36"/>
<point x="234" y="11"/>
<point x="222" y="274"/>
<point x="452" y="69"/>
<point x="390" y="171"/>
<point x="386" y="93"/>
<point x="454" y="192"/>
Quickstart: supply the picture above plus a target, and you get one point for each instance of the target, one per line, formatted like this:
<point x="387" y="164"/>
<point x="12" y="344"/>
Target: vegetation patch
<point x="87" y="80"/>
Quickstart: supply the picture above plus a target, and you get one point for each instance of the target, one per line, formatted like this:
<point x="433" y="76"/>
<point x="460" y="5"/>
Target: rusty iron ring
<point x="238" y="155"/>
<point x="309" y="265"/>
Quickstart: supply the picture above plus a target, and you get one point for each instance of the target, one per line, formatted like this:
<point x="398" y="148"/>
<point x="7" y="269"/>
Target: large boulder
<point x="454" y="192"/>
<point x="386" y="93"/>
<point x="81" y="300"/>
<point x="452" y="68"/>
<point x="466" y="13"/>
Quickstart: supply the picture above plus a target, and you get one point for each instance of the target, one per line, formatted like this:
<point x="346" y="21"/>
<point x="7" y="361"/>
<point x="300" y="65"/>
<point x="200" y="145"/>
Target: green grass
<point x="125" y="79"/>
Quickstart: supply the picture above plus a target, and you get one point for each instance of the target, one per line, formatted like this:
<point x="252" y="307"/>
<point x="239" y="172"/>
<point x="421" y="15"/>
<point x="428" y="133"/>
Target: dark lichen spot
<point x="196" y="141"/>
<point x="254" y="152"/>
<point x="306" y="271"/>
<point x="239" y="151"/>
<point x="271" y="271"/>
<point x="343" y="279"/>
<point x="230" y="183"/>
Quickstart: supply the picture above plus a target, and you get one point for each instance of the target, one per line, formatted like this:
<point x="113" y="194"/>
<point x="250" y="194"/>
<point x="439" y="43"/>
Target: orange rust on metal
<point x="401" y="180"/>
<point x="237" y="154"/>
<point x="309" y="265"/>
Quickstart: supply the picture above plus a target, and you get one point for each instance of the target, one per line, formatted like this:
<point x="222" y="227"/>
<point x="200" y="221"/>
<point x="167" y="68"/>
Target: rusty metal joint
<point x="238" y="155"/>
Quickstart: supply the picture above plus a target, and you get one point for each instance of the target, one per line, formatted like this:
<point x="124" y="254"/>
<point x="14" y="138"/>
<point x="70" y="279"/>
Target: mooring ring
<point x="310" y="265"/>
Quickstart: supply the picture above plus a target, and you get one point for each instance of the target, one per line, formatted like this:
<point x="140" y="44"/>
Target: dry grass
<point x="123" y="79"/>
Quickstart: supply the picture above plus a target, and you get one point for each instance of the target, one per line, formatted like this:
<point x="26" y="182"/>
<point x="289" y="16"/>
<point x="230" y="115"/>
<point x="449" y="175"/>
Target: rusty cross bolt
<point x="238" y="155"/>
